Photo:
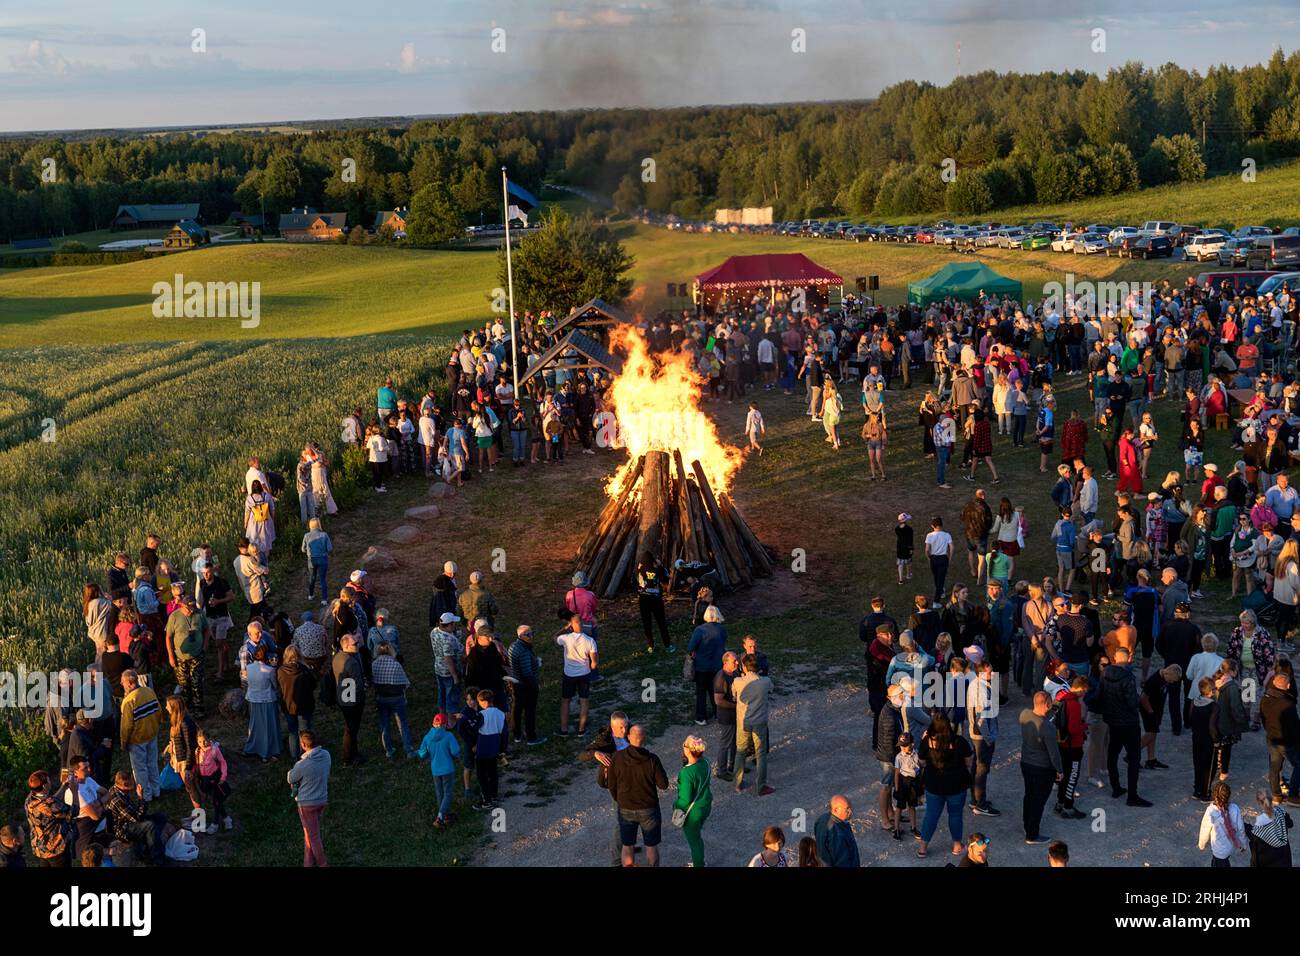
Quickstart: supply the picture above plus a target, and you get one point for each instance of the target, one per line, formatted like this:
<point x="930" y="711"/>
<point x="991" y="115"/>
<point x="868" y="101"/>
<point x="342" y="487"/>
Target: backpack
<point x="261" y="511"/>
<point x="1061" y="721"/>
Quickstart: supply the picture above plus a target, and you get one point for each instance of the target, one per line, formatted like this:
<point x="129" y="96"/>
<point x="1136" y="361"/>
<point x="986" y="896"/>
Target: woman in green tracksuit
<point x="694" y="797"/>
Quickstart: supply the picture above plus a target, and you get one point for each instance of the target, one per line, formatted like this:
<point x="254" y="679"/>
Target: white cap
<point x="448" y="618"/>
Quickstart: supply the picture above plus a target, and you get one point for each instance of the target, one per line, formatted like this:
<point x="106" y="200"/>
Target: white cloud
<point x="407" y="61"/>
<point x="40" y="58"/>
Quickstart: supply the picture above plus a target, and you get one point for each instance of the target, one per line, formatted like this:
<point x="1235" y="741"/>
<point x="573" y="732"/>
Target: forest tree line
<point x="1012" y="139"/>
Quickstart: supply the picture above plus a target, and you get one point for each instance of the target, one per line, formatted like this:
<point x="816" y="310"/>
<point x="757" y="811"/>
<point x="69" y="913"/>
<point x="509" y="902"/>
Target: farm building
<point x="246" y="223"/>
<point x="308" y="225"/>
<point x="186" y="234"/>
<point x="154" y="216"/>
<point x="394" y="219"/>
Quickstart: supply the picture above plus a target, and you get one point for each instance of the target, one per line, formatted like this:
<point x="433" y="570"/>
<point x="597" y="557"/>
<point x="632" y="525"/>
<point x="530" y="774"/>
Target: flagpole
<point x="510" y="285"/>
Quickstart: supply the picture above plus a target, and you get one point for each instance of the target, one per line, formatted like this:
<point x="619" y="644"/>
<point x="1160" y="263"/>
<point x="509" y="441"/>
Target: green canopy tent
<point x="962" y="281"/>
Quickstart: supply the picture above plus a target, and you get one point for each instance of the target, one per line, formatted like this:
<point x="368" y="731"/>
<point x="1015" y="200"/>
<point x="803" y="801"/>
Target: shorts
<point x="981" y="546"/>
<point x="903" y="562"/>
<point x="908" y="793"/>
<point x="470" y="756"/>
<point x="1151" y="722"/>
<point x="1046" y="446"/>
<point x="766" y="366"/>
<point x="1192" y="457"/>
<point x="886" y="773"/>
<point x="219" y="628"/>
<point x="1065" y="560"/>
<point x="1147" y="643"/>
<point x="1009" y="548"/>
<point x="649" y="822"/>
<point x="569" y="686"/>
<point x="875" y="446"/>
<point x="484" y="442"/>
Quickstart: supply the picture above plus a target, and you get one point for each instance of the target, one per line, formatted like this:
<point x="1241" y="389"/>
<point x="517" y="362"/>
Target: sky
<point x="93" y="64"/>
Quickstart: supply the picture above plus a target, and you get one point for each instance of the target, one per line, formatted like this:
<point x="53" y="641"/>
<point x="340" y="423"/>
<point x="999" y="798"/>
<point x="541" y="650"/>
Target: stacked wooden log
<point x="672" y="513"/>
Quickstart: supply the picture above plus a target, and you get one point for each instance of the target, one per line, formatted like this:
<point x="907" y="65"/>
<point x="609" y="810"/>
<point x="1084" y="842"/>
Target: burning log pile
<point x="671" y="512"/>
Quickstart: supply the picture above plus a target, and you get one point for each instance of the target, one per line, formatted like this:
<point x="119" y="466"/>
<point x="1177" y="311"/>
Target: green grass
<point x="1220" y="201"/>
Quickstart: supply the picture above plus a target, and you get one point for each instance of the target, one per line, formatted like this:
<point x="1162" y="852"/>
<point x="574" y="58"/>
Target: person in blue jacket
<point x="707" y="645"/>
<point x="442" y="749"/>
<point x="836" y="844"/>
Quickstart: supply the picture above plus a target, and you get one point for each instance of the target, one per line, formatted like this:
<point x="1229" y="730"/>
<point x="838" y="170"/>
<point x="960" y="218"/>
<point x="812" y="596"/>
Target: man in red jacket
<point x="1072" y="732"/>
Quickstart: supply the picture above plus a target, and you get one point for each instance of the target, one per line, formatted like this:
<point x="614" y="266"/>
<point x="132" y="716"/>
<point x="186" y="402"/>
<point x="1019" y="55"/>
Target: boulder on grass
<point x="440" y="489"/>
<point x="422" y="513"/>
<point x="232" y="705"/>
<point x="378" y="559"/>
<point x="404" y="534"/>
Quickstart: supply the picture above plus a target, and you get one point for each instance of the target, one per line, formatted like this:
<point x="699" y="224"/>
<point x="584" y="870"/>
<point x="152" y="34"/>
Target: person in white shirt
<point x="1204" y="664"/>
<point x="428" y="441"/>
<point x="579" y="661"/>
<point x="754" y="426"/>
<point x="1222" y="828"/>
<point x="945" y="436"/>
<point x="254" y="473"/>
<point x="938" y="548"/>
<point x="767" y="363"/>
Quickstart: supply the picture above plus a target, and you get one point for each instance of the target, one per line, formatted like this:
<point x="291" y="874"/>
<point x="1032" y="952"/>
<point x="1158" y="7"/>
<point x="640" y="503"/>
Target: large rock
<point x="422" y="513"/>
<point x="440" y="489"/>
<point x="404" y="534"/>
<point x="378" y="559"/>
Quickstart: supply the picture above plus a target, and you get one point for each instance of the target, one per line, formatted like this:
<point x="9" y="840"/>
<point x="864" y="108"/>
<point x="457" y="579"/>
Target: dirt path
<point x="819" y="746"/>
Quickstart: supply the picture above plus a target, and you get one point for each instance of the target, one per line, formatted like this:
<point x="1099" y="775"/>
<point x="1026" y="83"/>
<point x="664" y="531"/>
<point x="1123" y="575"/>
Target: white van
<point x="1157" y="227"/>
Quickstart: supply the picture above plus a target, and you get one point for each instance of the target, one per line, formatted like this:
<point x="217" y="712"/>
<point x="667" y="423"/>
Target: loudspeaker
<point x="862" y="283"/>
<point x="672" y="290"/>
<point x="873" y="283"/>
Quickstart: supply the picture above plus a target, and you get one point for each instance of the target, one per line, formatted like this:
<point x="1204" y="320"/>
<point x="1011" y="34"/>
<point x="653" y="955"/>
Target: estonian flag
<point x="526" y="199"/>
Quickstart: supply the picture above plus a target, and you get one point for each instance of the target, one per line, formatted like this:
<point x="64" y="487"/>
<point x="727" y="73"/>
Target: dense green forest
<point x="1013" y="139"/>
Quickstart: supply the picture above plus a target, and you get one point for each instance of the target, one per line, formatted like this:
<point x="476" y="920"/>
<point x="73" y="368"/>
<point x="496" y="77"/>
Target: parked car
<point x="1204" y="246"/>
<point x="1063" y="243"/>
<point x="1122" y="232"/>
<point x="1252" y="232"/>
<point x="1011" y="238"/>
<point x="1238" y="281"/>
<point x="1039" y="240"/>
<point x="1274" y="252"/>
<point x="1151" y="247"/>
<point x="1233" y="252"/>
<point x="1274" y="282"/>
<point x="1157" y="227"/>
<point x="1089" y="243"/>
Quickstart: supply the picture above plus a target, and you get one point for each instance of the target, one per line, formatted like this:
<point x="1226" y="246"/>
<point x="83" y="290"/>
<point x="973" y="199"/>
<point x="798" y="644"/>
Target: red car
<point x="925" y="236"/>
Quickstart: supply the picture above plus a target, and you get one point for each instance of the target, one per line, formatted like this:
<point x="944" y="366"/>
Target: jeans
<point x="705" y="705"/>
<point x="448" y="694"/>
<point x="144" y="767"/>
<point x="1038" y="787"/>
<point x="385" y="710"/>
<point x="296" y="723"/>
<point x="313" y="848"/>
<point x="1018" y="430"/>
<point x="316" y="575"/>
<point x="147" y="833"/>
<point x="939" y="568"/>
<point x="747" y="742"/>
<point x="524" y="716"/>
<point x="941" y="455"/>
<point x="444" y="787"/>
<point x="518" y="445"/>
<point x="934" y="807"/>
<point x="726" y="762"/>
<point x="652" y="610"/>
<point x="983" y="763"/>
<point x="1276" y="754"/>
<point x="1128" y="739"/>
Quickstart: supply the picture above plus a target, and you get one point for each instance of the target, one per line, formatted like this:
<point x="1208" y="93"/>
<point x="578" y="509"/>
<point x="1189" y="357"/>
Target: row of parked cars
<point x="1250" y="247"/>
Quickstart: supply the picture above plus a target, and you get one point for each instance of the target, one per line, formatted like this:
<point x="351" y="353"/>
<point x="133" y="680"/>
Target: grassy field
<point x="328" y="290"/>
<point x="1221" y="201"/>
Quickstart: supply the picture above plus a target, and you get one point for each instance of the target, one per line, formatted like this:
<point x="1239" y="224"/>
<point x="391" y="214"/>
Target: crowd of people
<point x="1093" y="691"/>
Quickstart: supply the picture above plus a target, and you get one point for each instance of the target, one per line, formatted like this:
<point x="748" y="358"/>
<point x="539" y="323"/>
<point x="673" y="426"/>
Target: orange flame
<point x="657" y="402"/>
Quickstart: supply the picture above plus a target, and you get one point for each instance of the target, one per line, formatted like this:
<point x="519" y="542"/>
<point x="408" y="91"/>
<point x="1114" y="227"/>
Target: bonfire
<point x="671" y="497"/>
